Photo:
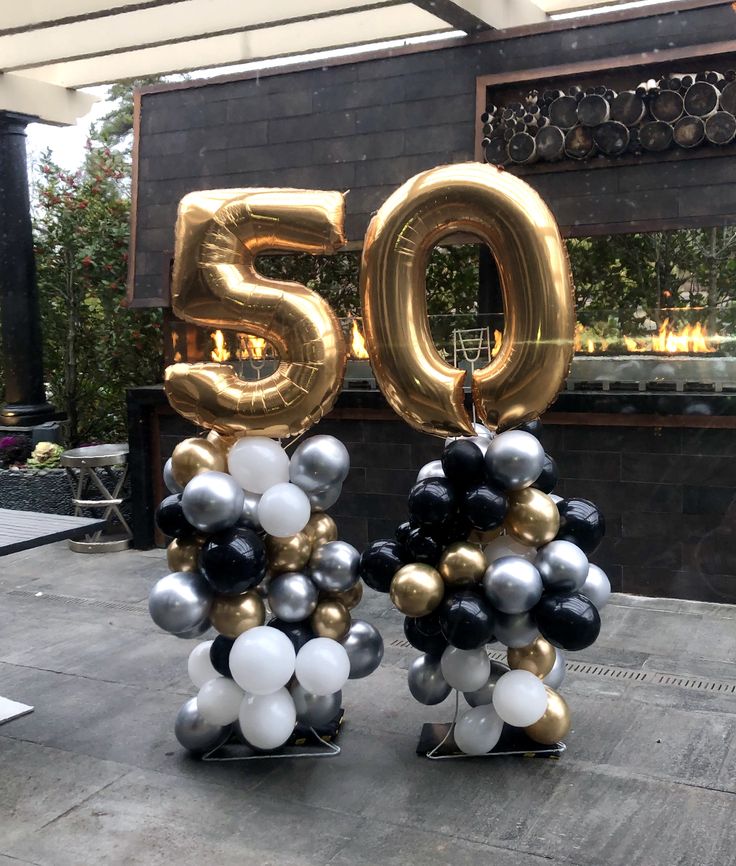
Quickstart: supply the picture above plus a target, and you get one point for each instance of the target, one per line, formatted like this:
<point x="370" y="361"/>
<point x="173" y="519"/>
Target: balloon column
<point x="489" y="554"/>
<point x="250" y="535"/>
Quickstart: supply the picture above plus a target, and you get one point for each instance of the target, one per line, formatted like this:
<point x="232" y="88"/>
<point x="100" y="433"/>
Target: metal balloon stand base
<point x="437" y="743"/>
<point x="305" y="742"/>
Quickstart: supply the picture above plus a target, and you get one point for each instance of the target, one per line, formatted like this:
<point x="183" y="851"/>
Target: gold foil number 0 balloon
<point x="219" y="234"/>
<point x="535" y="355"/>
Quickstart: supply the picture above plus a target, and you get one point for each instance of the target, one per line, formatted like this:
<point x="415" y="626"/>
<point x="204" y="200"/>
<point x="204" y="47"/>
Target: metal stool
<point x="87" y="470"/>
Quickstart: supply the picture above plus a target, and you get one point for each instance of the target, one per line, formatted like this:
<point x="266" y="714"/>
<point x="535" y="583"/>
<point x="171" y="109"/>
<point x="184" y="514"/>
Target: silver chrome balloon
<point x="292" y="597"/>
<point x="512" y="584"/>
<point x="482" y="432"/>
<point x="433" y="469"/>
<point x="515" y="459"/>
<point x="556" y="676"/>
<point x="180" y="602"/>
<point x="318" y="463"/>
<point x="484" y="695"/>
<point x="426" y="682"/>
<point x="597" y="586"/>
<point x="364" y="645"/>
<point x="324" y="499"/>
<point x="249" y="513"/>
<point x="212" y="501"/>
<point x="314" y="710"/>
<point x="172" y="485"/>
<point x="562" y="565"/>
<point x="334" y="566"/>
<point x="196" y="734"/>
<point x="195" y="632"/>
<point x="515" y="629"/>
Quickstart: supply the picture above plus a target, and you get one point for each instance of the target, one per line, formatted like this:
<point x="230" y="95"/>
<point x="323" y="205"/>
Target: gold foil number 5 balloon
<point x="219" y="234"/>
<point x="535" y="355"/>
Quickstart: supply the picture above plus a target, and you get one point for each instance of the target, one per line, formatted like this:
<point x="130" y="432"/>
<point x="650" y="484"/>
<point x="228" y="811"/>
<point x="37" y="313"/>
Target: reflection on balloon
<point x="288" y="554"/>
<point x="417" y="589"/>
<point x="462" y="564"/>
<point x="364" y="645"/>
<point x="319" y="462"/>
<point x="426" y="681"/>
<point x="554" y="725"/>
<point x="292" y="597"/>
<point x="195" y="733"/>
<point x="180" y="602"/>
<point x="193" y="456"/>
<point x="538" y="657"/>
<point x="320" y="529"/>
<point x="183" y="554"/>
<point x="314" y="710"/>
<point x="533" y="518"/>
<point x="330" y="619"/>
<point x="484" y="695"/>
<point x="562" y="565"/>
<point x="596" y="586"/>
<point x="212" y="501"/>
<point x="231" y="615"/>
<point x="514" y="460"/>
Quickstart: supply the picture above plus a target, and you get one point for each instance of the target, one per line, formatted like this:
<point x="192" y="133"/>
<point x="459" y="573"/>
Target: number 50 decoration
<point x="219" y="234"/>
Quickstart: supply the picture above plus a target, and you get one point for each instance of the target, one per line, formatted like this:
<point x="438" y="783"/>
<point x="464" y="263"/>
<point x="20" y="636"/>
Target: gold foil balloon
<point x="192" y="456"/>
<point x="554" y="724"/>
<point x="510" y="217"/>
<point x="538" y="657"/>
<point x="331" y="619"/>
<point x="233" y="614"/>
<point x="462" y="564"/>
<point x="417" y="589"/>
<point x="532" y="517"/>
<point x="349" y="597"/>
<point x="320" y="529"/>
<point x="219" y="234"/>
<point x="288" y="554"/>
<point x="183" y="555"/>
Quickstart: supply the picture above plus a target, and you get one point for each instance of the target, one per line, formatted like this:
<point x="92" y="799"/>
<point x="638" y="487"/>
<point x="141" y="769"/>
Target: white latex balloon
<point x="322" y="666"/>
<point x="262" y="660"/>
<point x="267" y="721"/>
<point x="219" y="701"/>
<point x="199" y="665"/>
<point x="465" y="670"/>
<point x="284" y="510"/>
<point x="520" y="698"/>
<point x="505" y="545"/>
<point x="478" y="730"/>
<point x="258" y="463"/>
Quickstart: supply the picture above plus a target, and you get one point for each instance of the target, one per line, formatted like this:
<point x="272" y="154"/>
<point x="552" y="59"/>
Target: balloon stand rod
<point x="331" y="750"/>
<point x="435" y="742"/>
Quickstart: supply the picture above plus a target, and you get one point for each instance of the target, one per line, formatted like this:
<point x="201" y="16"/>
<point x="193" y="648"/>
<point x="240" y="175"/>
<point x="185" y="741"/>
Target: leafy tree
<point x="115" y="127"/>
<point x="94" y="347"/>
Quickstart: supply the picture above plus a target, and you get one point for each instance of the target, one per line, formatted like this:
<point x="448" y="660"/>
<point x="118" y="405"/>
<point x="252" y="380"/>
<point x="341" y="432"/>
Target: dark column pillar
<point x="490" y="299"/>
<point x="25" y="398"/>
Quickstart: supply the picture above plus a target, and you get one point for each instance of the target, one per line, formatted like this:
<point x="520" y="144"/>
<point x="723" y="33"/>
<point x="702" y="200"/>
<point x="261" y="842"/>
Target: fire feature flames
<point x="689" y="339"/>
<point x="357" y="342"/>
<point x="250" y="348"/>
<point x="220" y="352"/>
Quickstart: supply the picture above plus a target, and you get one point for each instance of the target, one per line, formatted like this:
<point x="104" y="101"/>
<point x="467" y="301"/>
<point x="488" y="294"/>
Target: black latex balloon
<point x="466" y="619"/>
<point x="234" y="562"/>
<point x="402" y="531"/>
<point x="379" y="563"/>
<point x="581" y="523"/>
<point x="548" y="476"/>
<point x="421" y="547"/>
<point x="463" y="464"/>
<point x="485" y="507"/>
<point x="432" y="502"/>
<point x="457" y="528"/>
<point x="220" y="654"/>
<point x="170" y="517"/>
<point x="425" y="633"/>
<point x="297" y="632"/>
<point x="533" y="427"/>
<point x="567" y="620"/>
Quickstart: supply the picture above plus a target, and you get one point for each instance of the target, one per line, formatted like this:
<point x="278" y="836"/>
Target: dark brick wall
<point x="367" y="126"/>
<point x="668" y="495"/>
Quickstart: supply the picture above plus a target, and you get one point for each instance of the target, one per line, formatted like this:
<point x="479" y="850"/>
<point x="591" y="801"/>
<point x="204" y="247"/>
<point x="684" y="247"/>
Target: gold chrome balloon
<point x="349" y="597"/>
<point x="320" y="529"/>
<point x="330" y="619"/>
<point x="215" y="283"/>
<point x="478" y="537"/>
<point x="538" y="657"/>
<point x="510" y="217"/>
<point x="554" y="725"/>
<point x="231" y="615"/>
<point x="417" y="589"/>
<point x="462" y="564"/>
<point x="192" y="456"/>
<point x="532" y="517"/>
<point x="183" y="554"/>
<point x="288" y="554"/>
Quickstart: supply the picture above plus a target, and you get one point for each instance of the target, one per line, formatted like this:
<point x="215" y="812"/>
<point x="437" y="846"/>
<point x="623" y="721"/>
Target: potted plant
<point x="30" y="477"/>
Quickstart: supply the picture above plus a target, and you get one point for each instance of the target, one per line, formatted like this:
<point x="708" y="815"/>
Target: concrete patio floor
<point x="95" y="774"/>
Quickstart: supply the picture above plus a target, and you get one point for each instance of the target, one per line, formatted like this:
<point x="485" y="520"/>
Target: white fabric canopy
<point x="51" y="48"/>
